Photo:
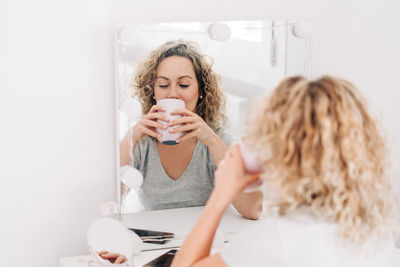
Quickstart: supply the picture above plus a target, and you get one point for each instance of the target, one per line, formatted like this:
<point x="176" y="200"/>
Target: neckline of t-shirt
<point x="174" y="181"/>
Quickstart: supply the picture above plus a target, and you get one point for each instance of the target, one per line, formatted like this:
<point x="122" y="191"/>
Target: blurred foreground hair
<point x="322" y="149"/>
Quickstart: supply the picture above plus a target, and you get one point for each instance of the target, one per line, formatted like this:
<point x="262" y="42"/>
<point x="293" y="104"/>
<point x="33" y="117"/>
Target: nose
<point x="173" y="93"/>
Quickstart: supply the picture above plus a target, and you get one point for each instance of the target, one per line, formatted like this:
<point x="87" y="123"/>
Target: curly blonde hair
<point x="211" y="108"/>
<point x="323" y="150"/>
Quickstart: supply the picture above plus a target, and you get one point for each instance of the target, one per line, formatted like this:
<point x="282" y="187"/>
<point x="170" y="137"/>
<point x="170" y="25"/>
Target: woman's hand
<point x="193" y="125"/>
<point x="230" y="180"/>
<point x="148" y="124"/>
<point x="114" y="258"/>
<point x="230" y="176"/>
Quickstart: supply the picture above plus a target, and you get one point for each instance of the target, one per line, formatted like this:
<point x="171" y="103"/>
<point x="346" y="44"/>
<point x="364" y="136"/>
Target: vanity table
<point x="177" y="221"/>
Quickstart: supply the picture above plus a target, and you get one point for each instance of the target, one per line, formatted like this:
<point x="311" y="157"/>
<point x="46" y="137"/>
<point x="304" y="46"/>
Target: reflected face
<point x="176" y="78"/>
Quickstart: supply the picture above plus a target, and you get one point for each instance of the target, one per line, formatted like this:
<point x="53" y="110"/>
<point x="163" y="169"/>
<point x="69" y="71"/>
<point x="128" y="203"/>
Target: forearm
<point x="217" y="148"/>
<point x="198" y="244"/>
<point x="124" y="151"/>
<point x="249" y="205"/>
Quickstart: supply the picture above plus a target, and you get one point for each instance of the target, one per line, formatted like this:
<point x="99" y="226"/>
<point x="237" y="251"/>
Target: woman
<point x="181" y="175"/>
<point x="329" y="198"/>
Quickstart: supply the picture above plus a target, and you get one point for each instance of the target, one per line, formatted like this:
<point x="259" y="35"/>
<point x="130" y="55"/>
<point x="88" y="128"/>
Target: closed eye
<point x="184" y="85"/>
<point x="163" y="85"/>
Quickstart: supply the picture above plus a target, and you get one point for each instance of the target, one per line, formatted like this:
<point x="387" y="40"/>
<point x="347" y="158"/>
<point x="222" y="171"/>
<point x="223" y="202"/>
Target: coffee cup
<point x="169" y="105"/>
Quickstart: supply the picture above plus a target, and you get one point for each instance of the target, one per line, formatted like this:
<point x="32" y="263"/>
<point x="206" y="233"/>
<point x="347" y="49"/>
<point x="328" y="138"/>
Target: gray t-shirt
<point x="191" y="189"/>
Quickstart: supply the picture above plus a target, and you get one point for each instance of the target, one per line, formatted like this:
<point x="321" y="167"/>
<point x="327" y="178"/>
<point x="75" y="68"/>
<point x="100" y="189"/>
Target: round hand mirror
<point x="111" y="243"/>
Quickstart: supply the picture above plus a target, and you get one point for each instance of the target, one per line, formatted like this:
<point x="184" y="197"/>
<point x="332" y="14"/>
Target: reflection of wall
<point x="236" y="111"/>
<point x="296" y="55"/>
<point x="245" y="57"/>
<point x="249" y="62"/>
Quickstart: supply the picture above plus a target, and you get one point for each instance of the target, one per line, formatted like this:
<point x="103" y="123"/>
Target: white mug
<point x="170" y="105"/>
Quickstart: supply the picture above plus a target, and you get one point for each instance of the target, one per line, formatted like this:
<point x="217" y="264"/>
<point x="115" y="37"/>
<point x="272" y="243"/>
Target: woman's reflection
<point x="181" y="175"/>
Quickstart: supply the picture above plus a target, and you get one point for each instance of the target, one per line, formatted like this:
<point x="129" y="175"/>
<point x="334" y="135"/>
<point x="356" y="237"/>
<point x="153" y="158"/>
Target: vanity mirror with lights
<point x="251" y="57"/>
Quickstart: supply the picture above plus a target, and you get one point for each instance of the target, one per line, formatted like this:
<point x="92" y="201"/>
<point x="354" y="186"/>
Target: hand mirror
<point x="110" y="235"/>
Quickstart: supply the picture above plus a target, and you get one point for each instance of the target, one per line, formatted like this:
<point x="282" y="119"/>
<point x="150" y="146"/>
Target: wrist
<point x="218" y="201"/>
<point x="135" y="139"/>
<point x="213" y="139"/>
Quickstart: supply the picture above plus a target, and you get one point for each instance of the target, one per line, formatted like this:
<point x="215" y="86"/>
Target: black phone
<point x="155" y="237"/>
<point x="164" y="260"/>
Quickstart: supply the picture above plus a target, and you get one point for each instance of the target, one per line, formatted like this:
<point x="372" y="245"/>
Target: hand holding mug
<point x="231" y="177"/>
<point x="193" y="125"/>
<point x="149" y="123"/>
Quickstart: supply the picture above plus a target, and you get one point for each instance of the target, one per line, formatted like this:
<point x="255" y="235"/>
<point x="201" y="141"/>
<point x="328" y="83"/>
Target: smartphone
<point x="164" y="260"/>
<point x="156" y="236"/>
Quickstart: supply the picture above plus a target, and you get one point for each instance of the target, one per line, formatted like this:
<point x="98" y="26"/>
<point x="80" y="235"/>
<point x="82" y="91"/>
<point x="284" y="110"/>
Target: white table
<point x="177" y="221"/>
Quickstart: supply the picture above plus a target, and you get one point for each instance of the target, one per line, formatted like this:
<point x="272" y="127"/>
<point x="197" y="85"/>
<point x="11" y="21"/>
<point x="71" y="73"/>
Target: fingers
<point x="252" y="177"/>
<point x="154" y="124"/>
<point x="102" y="252"/>
<point x="147" y="125"/>
<point x="228" y="155"/>
<point x="150" y="132"/>
<point x="235" y="150"/>
<point x="184" y="112"/>
<point x="252" y="180"/>
<point x="226" y="160"/>
<point x="156" y="108"/>
<point x="154" y="116"/>
<point x="182" y="120"/>
<point x="184" y="128"/>
<point x="121" y="259"/>
<point x="115" y="258"/>
<point x="109" y="256"/>
<point x="236" y="154"/>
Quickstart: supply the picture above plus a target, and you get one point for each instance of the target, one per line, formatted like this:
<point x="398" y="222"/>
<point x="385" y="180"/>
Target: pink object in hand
<point x="250" y="158"/>
<point x="170" y="105"/>
<point x="252" y="165"/>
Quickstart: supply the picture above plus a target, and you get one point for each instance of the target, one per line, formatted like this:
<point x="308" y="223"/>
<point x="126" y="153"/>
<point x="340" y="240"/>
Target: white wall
<point x="57" y="149"/>
<point x="57" y="136"/>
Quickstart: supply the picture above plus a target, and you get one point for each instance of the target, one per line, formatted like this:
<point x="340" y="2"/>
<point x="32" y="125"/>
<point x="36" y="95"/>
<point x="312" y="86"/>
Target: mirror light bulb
<point x="219" y="32"/>
<point x="131" y="177"/>
<point x="301" y="29"/>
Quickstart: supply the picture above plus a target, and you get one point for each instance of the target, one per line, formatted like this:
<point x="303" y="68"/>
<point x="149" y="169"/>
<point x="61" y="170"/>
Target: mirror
<point x="110" y="235"/>
<point x="251" y="57"/>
